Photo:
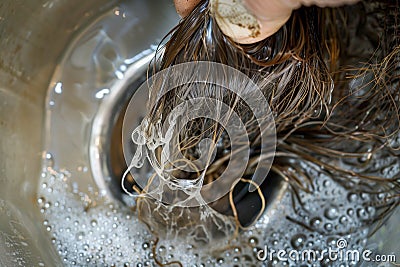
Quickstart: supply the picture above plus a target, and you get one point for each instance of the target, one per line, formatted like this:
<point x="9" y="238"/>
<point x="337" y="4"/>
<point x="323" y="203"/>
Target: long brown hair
<point x="331" y="83"/>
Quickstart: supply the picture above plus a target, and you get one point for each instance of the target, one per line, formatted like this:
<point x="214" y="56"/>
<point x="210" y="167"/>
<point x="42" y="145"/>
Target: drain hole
<point x="248" y="204"/>
<point x="116" y="163"/>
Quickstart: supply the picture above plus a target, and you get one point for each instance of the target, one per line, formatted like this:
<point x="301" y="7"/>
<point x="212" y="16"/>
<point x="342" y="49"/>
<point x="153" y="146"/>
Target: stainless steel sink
<point x="34" y="36"/>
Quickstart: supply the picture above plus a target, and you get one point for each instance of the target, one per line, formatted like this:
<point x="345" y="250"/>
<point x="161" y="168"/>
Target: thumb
<point x="184" y="7"/>
<point x="260" y="18"/>
<point x="250" y="21"/>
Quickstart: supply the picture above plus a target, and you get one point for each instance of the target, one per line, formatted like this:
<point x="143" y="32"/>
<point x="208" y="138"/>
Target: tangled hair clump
<point x="331" y="77"/>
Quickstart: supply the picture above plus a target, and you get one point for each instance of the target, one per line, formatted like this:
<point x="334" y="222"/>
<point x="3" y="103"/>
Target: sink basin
<point x="36" y="37"/>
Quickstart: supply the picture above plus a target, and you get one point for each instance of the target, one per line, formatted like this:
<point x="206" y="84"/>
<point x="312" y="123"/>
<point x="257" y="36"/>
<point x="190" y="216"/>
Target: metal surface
<point x="33" y="37"/>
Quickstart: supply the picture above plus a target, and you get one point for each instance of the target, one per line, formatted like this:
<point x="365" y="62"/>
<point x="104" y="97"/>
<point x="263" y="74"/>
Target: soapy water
<point x="88" y="228"/>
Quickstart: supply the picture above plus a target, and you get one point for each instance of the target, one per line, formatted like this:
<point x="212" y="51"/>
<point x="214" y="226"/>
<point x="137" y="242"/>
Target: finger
<point x="270" y="16"/>
<point x="184" y="7"/>
<point x="250" y="21"/>
<point x="328" y="3"/>
<point x="266" y="16"/>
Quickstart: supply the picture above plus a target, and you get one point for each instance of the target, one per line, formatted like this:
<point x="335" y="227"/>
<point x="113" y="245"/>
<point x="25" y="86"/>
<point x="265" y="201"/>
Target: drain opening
<point x="109" y="163"/>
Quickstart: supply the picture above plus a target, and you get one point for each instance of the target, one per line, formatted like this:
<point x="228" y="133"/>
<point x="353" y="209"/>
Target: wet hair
<point x="331" y="78"/>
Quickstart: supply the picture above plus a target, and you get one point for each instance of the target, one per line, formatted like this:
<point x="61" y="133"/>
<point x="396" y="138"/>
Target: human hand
<point x="268" y="15"/>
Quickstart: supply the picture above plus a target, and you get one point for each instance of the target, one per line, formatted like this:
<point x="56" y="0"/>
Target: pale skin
<point x="271" y="14"/>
